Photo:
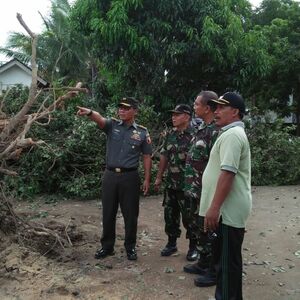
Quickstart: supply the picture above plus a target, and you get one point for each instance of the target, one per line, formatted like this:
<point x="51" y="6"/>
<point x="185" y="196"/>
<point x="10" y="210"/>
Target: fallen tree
<point x="14" y="139"/>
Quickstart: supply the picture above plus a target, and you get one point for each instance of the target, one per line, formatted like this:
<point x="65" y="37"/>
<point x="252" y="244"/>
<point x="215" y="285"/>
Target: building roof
<point x="25" y="68"/>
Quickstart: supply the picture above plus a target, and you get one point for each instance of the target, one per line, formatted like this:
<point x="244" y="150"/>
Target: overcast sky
<point x="29" y="10"/>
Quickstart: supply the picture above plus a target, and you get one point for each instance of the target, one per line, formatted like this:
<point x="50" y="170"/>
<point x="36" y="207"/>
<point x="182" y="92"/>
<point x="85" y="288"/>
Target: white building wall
<point x="14" y="76"/>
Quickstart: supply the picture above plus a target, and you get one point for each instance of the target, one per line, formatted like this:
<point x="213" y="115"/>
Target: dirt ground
<point x="271" y="254"/>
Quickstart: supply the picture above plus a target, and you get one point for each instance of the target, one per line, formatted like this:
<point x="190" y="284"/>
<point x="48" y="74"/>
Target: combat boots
<point x="200" y="267"/>
<point x="207" y="279"/>
<point x="192" y="254"/>
<point x="170" y="248"/>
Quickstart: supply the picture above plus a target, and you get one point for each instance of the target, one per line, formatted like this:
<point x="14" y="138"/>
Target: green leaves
<point x="72" y="159"/>
<point x="198" y="43"/>
<point x="280" y="24"/>
<point x="275" y="154"/>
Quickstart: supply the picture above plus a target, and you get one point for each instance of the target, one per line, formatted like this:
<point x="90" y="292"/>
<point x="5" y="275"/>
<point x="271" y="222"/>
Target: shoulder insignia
<point x="115" y="119"/>
<point x="140" y="126"/>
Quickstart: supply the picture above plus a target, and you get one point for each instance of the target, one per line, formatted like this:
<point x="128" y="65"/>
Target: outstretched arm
<point x="93" y="115"/>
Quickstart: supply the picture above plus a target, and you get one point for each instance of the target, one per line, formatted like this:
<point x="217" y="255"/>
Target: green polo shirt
<point x="231" y="152"/>
<point x="125" y="144"/>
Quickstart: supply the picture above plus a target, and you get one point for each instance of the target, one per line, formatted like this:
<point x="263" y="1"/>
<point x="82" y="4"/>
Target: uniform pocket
<point x="134" y="145"/>
<point x="116" y="135"/>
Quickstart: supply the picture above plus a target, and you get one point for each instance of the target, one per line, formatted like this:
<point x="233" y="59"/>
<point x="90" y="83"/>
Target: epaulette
<point x="140" y="126"/>
<point x="115" y="119"/>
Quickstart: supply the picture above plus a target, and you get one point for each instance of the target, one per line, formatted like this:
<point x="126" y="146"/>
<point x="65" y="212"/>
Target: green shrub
<point x="72" y="159"/>
<point x="14" y="99"/>
<point x="275" y="154"/>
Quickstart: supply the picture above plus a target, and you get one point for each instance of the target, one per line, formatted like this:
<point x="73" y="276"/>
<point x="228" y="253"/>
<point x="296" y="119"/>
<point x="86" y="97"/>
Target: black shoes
<point x="195" y="269"/>
<point x="208" y="279"/>
<point x="102" y="253"/>
<point x="168" y="250"/>
<point x="192" y="254"/>
<point x="171" y="248"/>
<point x="131" y="254"/>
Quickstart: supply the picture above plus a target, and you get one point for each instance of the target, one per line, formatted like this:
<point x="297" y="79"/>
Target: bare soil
<point x="271" y="254"/>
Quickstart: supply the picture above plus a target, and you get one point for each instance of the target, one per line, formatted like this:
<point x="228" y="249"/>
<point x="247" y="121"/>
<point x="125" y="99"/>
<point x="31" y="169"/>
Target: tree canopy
<point x="279" y="21"/>
<point x="166" y="51"/>
<point x="169" y="50"/>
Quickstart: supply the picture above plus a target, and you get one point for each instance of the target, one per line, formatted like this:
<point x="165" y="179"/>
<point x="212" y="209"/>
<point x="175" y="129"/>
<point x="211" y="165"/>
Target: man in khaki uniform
<point x="126" y="141"/>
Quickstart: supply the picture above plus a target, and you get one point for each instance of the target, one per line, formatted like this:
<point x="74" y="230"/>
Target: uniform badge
<point x="136" y="136"/>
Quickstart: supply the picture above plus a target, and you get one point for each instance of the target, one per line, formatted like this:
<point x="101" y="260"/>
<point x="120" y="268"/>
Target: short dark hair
<point x="207" y="95"/>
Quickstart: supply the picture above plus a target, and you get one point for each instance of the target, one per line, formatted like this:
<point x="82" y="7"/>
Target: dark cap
<point x="231" y="99"/>
<point x="182" y="109"/>
<point x="129" y="102"/>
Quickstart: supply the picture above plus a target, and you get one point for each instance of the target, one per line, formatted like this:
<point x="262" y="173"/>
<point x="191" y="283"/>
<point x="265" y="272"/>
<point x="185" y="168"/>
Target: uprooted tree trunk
<point x="13" y="140"/>
<point x="46" y="239"/>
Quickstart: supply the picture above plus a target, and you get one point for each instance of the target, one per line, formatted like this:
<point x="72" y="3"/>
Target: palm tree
<point x="62" y="53"/>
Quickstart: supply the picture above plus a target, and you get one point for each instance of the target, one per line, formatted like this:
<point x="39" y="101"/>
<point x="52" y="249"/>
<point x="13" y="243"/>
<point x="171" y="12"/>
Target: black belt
<point x="121" y="170"/>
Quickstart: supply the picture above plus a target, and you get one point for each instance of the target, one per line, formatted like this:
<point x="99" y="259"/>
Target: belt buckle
<point x="118" y="170"/>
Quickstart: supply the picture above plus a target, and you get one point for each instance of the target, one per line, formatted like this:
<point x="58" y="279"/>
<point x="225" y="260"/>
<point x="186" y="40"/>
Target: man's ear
<point x="207" y="108"/>
<point x="236" y="111"/>
<point x="187" y="117"/>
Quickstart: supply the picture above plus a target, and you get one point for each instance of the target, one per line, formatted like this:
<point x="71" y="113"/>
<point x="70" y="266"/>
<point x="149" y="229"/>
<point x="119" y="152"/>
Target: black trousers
<point x="120" y="189"/>
<point x="227" y="255"/>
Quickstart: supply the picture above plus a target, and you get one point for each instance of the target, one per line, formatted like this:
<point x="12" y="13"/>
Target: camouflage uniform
<point x="197" y="158"/>
<point x="175" y="148"/>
